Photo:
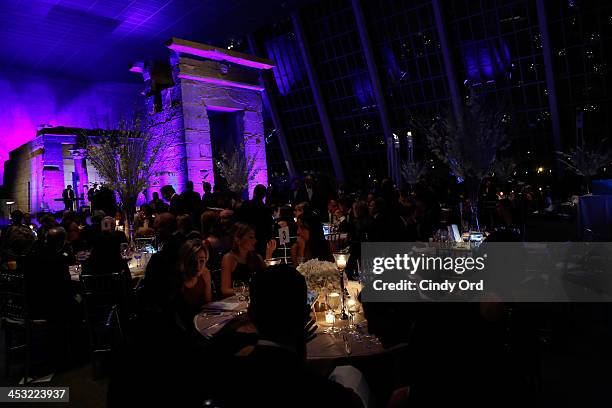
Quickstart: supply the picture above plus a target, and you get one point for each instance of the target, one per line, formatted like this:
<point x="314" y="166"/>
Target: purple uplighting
<point x="30" y="102"/>
<point x="222" y="108"/>
<point x="222" y="82"/>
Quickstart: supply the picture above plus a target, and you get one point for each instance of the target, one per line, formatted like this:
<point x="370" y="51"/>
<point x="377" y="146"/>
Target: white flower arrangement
<point x="321" y="276"/>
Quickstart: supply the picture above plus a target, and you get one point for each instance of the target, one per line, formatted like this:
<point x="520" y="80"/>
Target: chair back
<point x="337" y="241"/>
<point x="101" y="294"/>
<point x="284" y="251"/>
<point x="13" y="300"/>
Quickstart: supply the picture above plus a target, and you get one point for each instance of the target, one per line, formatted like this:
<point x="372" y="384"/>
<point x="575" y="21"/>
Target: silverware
<point x="224" y="321"/>
<point x="228" y="318"/>
<point x="347" y="346"/>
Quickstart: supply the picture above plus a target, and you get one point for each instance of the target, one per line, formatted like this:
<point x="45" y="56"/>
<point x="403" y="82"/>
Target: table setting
<point x="342" y="329"/>
<point x="137" y="257"/>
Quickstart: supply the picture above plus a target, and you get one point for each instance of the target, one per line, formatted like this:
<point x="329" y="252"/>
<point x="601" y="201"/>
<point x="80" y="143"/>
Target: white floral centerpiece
<point x="321" y="276"/>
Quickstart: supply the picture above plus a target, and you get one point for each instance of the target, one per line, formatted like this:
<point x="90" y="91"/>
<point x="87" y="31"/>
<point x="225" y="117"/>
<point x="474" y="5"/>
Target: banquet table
<point x="323" y="347"/>
<point x="137" y="270"/>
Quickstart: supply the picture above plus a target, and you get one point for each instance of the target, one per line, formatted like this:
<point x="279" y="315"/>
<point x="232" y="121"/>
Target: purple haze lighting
<point x="222" y="108"/>
<point x="222" y="82"/>
<point x="486" y="61"/>
<point x="288" y="70"/>
<point x="30" y="100"/>
<point x="218" y="54"/>
<point x="137" y="67"/>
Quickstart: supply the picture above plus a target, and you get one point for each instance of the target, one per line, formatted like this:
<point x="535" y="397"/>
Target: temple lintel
<point x="218" y="54"/>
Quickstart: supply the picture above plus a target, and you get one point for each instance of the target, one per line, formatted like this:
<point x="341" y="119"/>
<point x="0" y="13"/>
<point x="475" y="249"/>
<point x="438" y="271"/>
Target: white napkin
<point x="352" y="378"/>
<point x="231" y="303"/>
<point x="209" y="324"/>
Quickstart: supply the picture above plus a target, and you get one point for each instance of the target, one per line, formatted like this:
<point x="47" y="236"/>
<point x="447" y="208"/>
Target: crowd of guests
<point x="204" y="245"/>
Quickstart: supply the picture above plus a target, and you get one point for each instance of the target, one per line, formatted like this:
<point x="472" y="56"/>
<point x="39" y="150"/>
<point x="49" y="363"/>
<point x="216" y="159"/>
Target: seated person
<point x="311" y="243"/>
<point x="159" y="281"/>
<point x="144" y="218"/>
<point x="274" y="374"/>
<point x="242" y="261"/>
<point x="194" y="279"/>
<point x="105" y="256"/>
<point x="48" y="278"/>
<point x="17" y="239"/>
<point x="285" y="219"/>
<point x="300" y="209"/>
<point x="184" y="225"/>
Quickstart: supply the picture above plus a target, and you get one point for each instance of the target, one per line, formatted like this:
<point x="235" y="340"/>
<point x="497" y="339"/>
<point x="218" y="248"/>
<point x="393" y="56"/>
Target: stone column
<point x="53" y="173"/>
<point x="80" y="168"/>
<point x="255" y="147"/>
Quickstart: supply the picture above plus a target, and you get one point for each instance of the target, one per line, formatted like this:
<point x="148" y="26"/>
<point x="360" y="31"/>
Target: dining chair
<point x="284" y="251"/>
<point x="15" y="320"/>
<point x="337" y="241"/>
<point x="103" y="299"/>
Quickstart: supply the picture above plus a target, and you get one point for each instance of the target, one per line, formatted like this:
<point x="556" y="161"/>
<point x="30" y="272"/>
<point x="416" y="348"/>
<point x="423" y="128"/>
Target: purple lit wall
<point x="218" y="83"/>
<point x="28" y="101"/>
<point x="486" y="61"/>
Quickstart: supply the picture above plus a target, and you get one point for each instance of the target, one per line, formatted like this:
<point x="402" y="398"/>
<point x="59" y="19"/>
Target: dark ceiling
<point x="97" y="39"/>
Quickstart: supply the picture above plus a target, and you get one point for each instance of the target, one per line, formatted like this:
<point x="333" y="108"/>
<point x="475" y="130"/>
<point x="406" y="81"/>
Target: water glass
<point x="239" y="290"/>
<point x="125" y="252"/>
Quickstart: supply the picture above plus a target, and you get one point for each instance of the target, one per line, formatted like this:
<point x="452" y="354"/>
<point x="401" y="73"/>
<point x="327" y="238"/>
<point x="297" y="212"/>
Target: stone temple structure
<point x="204" y="101"/>
<point x="38" y="171"/>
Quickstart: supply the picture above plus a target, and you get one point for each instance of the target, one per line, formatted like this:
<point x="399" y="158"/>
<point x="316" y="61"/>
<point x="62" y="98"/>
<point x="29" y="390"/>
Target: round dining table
<point x="343" y="343"/>
<point x="137" y="270"/>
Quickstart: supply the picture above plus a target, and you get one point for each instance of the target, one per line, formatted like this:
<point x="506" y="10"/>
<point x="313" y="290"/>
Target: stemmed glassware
<point x="241" y="290"/>
<point x="126" y="253"/>
<point x="333" y="302"/>
<point x="341" y="261"/>
<point x="353" y="307"/>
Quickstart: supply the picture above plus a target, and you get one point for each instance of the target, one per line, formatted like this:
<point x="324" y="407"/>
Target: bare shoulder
<point x="229" y="259"/>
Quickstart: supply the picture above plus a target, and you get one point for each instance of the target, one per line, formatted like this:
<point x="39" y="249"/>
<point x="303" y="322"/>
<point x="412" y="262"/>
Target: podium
<point x="76" y="201"/>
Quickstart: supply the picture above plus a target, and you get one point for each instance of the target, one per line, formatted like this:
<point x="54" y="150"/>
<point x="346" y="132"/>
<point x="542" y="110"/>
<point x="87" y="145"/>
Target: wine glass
<point x="333" y="301"/>
<point x="125" y="252"/>
<point x="239" y="290"/>
<point x="137" y="257"/>
<point x="353" y="307"/>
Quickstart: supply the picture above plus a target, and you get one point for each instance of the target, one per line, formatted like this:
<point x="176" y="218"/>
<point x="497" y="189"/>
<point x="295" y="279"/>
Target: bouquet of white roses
<point x="320" y="276"/>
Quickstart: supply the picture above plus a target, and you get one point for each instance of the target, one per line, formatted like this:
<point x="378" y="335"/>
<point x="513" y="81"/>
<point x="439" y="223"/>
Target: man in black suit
<point x="305" y="191"/>
<point x="91" y="196"/>
<point x="191" y="201"/>
<point x="208" y="199"/>
<point x="274" y="373"/>
<point x="173" y="199"/>
<point x="68" y="197"/>
<point x="255" y="213"/>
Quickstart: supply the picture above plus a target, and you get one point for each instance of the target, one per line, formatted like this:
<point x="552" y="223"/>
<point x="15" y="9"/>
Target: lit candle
<point x="330" y="318"/>
<point x="341" y="260"/>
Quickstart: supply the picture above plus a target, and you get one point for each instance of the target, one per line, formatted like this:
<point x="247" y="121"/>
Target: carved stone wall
<point x="179" y="113"/>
